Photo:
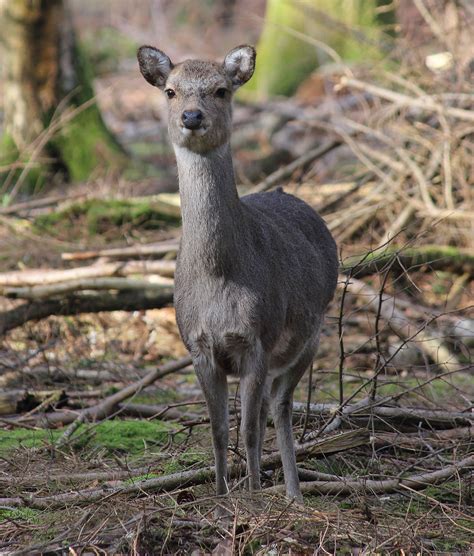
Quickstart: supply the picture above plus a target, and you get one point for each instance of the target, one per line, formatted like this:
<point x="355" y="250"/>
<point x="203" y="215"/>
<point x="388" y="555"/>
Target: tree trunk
<point x="286" y="54"/>
<point x="51" y="120"/>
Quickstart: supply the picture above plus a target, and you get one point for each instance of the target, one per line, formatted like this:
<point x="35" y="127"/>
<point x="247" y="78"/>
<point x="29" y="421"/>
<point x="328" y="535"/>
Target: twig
<point x="283" y="173"/>
<point x="107" y="406"/>
<point x="427" y="103"/>
<point x="400" y="324"/>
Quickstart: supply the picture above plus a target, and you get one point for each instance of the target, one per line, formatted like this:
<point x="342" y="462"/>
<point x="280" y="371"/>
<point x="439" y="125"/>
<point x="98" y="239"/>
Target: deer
<point x="254" y="274"/>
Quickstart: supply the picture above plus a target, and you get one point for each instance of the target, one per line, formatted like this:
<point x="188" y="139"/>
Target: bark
<point x="45" y="79"/>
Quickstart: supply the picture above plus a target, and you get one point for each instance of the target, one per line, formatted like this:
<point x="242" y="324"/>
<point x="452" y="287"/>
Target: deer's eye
<point x="170" y="93"/>
<point x="220" y="93"/>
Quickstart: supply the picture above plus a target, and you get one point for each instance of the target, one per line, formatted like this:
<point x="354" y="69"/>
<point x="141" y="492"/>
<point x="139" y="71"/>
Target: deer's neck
<point x="211" y="209"/>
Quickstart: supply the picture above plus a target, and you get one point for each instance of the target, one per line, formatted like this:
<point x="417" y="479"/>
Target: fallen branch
<point x="120" y="284"/>
<point x="160" y="248"/>
<point x="163" y="412"/>
<point x="329" y="445"/>
<point x="346" y="485"/>
<point x="110" y="404"/>
<point x="37" y="277"/>
<point x="39" y="203"/>
<point x="79" y="303"/>
<point x="417" y="440"/>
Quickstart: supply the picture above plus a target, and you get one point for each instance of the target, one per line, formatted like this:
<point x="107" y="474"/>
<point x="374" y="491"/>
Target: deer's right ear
<point x="155" y="65"/>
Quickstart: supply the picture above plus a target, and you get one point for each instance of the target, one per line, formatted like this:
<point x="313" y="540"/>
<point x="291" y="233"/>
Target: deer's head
<point x="199" y="94"/>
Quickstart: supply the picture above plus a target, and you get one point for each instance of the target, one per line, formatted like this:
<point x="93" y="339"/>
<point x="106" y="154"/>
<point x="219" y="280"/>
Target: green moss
<point x="130" y="436"/>
<point x="20" y="514"/>
<point x="450" y="257"/>
<point x="100" y="214"/>
<point x="25" y="438"/>
<point x="118" y="435"/>
<point x="86" y="146"/>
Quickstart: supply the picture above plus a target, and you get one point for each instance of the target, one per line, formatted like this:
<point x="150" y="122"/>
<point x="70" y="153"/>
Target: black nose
<point x="192" y="119"/>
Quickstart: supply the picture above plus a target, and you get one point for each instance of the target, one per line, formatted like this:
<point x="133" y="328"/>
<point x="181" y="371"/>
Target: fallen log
<point x="41" y="277"/>
<point x="34" y="293"/>
<point x="75" y="304"/>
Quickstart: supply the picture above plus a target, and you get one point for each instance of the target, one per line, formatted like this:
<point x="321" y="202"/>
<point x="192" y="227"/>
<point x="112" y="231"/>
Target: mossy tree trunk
<point x="51" y="120"/>
<point x="285" y="58"/>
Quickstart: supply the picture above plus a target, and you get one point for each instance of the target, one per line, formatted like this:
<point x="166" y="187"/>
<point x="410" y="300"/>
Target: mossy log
<point x="425" y="257"/>
<point x="51" y="120"/>
<point x="101" y="214"/>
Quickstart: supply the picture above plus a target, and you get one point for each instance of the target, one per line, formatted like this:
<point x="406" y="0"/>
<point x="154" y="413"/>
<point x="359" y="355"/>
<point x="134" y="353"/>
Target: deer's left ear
<point x="239" y="65"/>
<point x="154" y="65"/>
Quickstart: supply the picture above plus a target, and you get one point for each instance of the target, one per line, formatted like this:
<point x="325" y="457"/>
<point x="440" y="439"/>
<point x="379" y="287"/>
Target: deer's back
<point x="297" y="239"/>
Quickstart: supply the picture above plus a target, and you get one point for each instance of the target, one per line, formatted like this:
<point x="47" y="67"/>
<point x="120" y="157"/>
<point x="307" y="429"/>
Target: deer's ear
<point x="155" y="65"/>
<point x="239" y="64"/>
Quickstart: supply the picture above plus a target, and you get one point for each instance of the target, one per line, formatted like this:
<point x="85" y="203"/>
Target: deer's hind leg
<point x="281" y="405"/>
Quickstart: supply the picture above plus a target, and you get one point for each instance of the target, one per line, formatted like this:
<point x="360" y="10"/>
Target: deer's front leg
<point x="252" y="390"/>
<point x="214" y="387"/>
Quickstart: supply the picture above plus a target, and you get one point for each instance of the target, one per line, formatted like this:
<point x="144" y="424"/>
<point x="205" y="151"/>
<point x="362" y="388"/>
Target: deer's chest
<point x="217" y="321"/>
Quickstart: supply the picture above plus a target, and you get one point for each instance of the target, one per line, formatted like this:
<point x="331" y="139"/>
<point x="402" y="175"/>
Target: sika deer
<point x="254" y="275"/>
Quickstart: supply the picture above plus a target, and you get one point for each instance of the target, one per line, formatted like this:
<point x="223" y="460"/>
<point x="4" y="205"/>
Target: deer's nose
<point x="192" y="119"/>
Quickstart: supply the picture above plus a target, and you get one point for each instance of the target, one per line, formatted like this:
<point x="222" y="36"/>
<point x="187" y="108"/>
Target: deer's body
<point x="254" y="275"/>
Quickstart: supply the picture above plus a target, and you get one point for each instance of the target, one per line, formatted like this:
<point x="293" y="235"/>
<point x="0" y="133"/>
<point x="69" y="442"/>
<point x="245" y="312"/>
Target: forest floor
<point x="49" y="476"/>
